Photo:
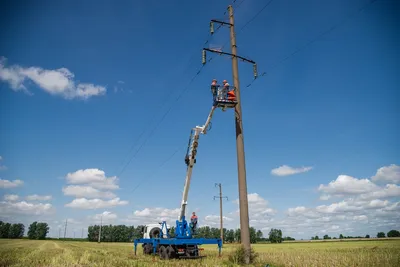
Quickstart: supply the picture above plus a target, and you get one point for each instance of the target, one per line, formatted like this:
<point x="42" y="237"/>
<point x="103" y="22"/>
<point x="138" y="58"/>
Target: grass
<point x="79" y="254"/>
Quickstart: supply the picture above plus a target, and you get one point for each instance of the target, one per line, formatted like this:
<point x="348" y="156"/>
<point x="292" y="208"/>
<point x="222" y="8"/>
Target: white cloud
<point x="389" y="173"/>
<point x="56" y="82"/>
<point x="360" y="218"/>
<point x="86" y="191"/>
<point x="285" y="170"/>
<point x="37" y="197"/>
<point x="11" y="197"/>
<point x="214" y="220"/>
<point x="90" y="187"/>
<point x="25" y="208"/>
<point x="73" y="221"/>
<point x="94" y="177"/>
<point x="2" y="167"/>
<point x="360" y="207"/>
<point x="83" y="203"/>
<point x="105" y="217"/>
<point x="259" y="211"/>
<point x="390" y="190"/>
<point x="345" y="184"/>
<point x="363" y="189"/>
<point x="393" y="207"/>
<point x="10" y="184"/>
<point x="153" y="215"/>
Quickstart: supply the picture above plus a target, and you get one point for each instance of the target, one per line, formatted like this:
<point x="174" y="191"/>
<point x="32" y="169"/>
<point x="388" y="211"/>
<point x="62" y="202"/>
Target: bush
<point x="238" y="255"/>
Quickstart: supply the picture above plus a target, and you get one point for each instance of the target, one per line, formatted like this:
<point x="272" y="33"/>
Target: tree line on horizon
<point x="35" y="231"/>
<point x="124" y="233"/>
<point x="391" y="233"/>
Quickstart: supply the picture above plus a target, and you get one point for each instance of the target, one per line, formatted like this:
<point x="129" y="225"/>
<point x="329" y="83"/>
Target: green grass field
<point x="25" y="253"/>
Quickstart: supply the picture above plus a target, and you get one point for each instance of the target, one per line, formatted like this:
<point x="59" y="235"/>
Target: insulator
<point x="212" y="27"/>
<point x="204" y="57"/>
<point x="255" y="70"/>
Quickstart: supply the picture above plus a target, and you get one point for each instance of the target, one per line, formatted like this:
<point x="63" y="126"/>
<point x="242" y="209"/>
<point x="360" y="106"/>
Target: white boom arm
<point x="192" y="159"/>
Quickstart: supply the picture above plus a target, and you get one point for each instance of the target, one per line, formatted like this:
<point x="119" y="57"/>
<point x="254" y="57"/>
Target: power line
<point x="249" y="21"/>
<point x="171" y="107"/>
<point x="168" y="94"/>
<point x="161" y="165"/>
<point x="327" y="31"/>
<point x="255" y="16"/>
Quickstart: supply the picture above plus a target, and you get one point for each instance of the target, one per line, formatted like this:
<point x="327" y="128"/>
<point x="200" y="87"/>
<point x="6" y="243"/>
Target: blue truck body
<point x="183" y="245"/>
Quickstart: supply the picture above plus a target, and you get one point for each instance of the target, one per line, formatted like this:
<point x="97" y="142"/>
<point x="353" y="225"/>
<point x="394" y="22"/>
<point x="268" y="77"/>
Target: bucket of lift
<point x="226" y="101"/>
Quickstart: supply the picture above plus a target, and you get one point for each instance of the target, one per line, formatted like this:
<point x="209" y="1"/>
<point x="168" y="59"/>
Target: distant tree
<point x="367" y="236"/>
<point x="341" y="236"/>
<point x="4" y="229"/>
<point x="259" y="235"/>
<point x="32" y="230"/>
<point x="172" y="231"/>
<point x="334" y="237"/>
<point x="316" y="237"/>
<point x="393" y="233"/>
<point x="288" y="238"/>
<point x="275" y="236"/>
<point x="16" y="230"/>
<point x="237" y="235"/>
<point x="327" y="237"/>
<point x="380" y="235"/>
<point x="230" y="236"/>
<point x="42" y="229"/>
<point x="8" y="230"/>
<point x="38" y="230"/>
<point x="253" y="235"/>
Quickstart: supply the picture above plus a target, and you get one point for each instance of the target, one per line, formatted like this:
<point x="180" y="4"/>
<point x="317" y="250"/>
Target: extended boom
<point x="190" y="159"/>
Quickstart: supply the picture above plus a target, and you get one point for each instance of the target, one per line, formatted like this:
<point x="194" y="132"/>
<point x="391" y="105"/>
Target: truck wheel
<point x="170" y="252"/>
<point x="147" y="249"/>
<point x="155" y="232"/>
<point x="163" y="252"/>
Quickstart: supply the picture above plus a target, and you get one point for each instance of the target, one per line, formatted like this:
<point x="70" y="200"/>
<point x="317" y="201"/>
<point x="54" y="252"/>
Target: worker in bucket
<point x="231" y="95"/>
<point x="193" y="221"/>
<point x="223" y="91"/>
<point x="214" y="88"/>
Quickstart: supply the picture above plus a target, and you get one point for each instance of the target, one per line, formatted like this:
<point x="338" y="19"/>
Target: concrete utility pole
<point x="220" y="210"/>
<point x="242" y="184"/>
<point x="101" y="223"/>
<point x="243" y="202"/>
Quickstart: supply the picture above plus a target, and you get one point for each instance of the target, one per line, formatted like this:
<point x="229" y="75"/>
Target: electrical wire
<point x="263" y="74"/>
<point x="153" y="173"/>
<point x="171" y="107"/>
<point x="255" y="16"/>
<point x="250" y="20"/>
<point x="327" y="31"/>
<point x="165" y="114"/>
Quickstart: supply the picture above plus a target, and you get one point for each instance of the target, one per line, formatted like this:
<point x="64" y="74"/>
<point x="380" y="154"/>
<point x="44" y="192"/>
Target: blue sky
<point x="98" y="99"/>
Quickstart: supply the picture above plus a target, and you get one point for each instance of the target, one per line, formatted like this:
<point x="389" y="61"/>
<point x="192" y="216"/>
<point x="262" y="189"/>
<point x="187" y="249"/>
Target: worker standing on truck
<point x="193" y="221"/>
